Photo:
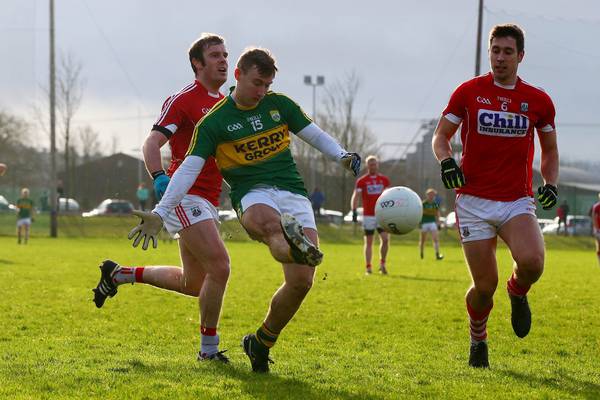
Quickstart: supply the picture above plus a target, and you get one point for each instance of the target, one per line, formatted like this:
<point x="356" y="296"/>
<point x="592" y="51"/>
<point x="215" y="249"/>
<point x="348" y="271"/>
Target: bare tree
<point x="89" y="145"/>
<point x="70" y="92"/>
<point x="338" y="118"/>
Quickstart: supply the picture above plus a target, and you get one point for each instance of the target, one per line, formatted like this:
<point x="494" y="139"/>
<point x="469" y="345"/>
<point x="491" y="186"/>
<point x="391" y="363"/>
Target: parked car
<point x="450" y="221"/>
<point x="359" y="217"/>
<point x="544" y="222"/>
<point x="331" y="216"/>
<point x="577" y="225"/>
<point x="111" y="207"/>
<point x="227" y="215"/>
<point x="66" y="205"/>
<point x="5" y="206"/>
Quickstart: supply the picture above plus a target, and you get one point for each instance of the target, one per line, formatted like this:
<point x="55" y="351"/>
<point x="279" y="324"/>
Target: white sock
<point x="124" y="275"/>
<point x="209" y="344"/>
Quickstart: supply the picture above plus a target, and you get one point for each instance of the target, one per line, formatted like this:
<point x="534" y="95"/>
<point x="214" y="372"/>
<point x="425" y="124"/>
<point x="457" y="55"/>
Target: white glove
<point x="147" y="229"/>
<point x="351" y="161"/>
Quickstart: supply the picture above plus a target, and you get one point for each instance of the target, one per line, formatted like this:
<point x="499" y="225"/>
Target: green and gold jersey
<point x="252" y="146"/>
<point x="430" y="210"/>
<point x="24" y="206"/>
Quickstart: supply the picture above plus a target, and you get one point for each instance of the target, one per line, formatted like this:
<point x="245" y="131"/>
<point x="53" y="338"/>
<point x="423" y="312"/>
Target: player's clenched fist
<point x="547" y="196"/>
<point x="351" y="161"/>
<point x="148" y="229"/>
<point x="452" y="176"/>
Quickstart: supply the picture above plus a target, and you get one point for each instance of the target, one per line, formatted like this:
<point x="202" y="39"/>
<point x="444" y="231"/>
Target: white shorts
<point x="282" y="201"/>
<point x="192" y="209"/>
<point x="23" y="222"/>
<point x="370" y="223"/>
<point x="429" y="227"/>
<point x="597" y="234"/>
<point x="479" y="219"/>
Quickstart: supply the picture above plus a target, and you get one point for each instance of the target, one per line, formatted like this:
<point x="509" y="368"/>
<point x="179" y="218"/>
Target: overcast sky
<point x="409" y="56"/>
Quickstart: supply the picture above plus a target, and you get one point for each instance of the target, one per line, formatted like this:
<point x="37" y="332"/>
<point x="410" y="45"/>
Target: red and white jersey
<point x="596" y="215"/>
<point x="370" y="187"/>
<point x="497" y="135"/>
<point x="179" y="116"/>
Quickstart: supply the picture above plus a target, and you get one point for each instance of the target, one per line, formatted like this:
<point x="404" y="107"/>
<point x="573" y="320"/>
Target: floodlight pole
<point x="478" y="48"/>
<point x="319" y="81"/>
<point x="53" y="193"/>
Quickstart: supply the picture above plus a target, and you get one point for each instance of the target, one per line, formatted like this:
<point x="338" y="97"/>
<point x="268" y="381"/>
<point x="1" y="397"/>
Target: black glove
<point x="547" y="196"/>
<point x="452" y="176"/>
<point x="354" y="215"/>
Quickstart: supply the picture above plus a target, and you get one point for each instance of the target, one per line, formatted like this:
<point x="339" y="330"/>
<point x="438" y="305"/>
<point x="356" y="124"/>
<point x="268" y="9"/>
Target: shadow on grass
<point x="565" y="384"/>
<point x="273" y="385"/>
<point x="265" y="386"/>
<point x="7" y="262"/>
<point x="418" y="278"/>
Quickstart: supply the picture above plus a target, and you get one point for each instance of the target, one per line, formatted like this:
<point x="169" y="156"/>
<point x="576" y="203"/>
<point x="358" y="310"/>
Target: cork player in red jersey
<point x="498" y="112"/>
<point x="596" y="226"/>
<point x="368" y="188"/>
<point x="204" y="258"/>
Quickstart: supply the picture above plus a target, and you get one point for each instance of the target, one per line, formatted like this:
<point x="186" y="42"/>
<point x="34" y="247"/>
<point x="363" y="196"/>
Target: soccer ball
<point x="398" y="210"/>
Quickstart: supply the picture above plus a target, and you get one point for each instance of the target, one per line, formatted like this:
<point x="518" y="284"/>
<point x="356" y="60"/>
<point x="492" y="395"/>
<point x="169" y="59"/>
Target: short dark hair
<point x="204" y="42"/>
<point x="509" y="30"/>
<point x="261" y="58"/>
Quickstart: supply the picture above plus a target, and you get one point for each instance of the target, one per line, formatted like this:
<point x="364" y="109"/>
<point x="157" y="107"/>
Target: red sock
<point x="514" y="288"/>
<point x="208" y="331"/>
<point x="478" y="323"/>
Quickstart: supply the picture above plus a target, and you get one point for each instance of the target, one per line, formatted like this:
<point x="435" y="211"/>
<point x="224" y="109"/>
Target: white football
<point x="398" y="210"/>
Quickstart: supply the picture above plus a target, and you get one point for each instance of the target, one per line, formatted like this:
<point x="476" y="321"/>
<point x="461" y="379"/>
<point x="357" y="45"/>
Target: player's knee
<point x="221" y="272"/>
<point x="267" y="231"/>
<point x="487" y="288"/>
<point x="301" y="286"/>
<point x="531" y="265"/>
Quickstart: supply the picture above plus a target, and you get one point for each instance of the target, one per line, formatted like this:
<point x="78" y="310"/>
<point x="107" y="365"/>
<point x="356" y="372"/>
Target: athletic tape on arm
<point x="181" y="181"/>
<point x="321" y="141"/>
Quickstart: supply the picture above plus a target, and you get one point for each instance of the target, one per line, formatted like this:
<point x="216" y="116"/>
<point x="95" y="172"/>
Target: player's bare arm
<point x="451" y="174"/>
<point x="550" y="159"/>
<point x="151" y="151"/>
<point x="444" y="131"/>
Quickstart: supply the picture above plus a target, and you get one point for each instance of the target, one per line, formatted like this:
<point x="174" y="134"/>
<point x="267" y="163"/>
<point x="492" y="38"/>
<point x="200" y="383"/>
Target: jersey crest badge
<point x="465" y="231"/>
<point x="524" y="107"/>
<point x="275" y="115"/>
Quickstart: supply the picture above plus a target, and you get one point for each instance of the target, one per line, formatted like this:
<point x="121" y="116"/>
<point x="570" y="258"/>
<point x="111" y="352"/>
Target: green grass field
<point x="356" y="336"/>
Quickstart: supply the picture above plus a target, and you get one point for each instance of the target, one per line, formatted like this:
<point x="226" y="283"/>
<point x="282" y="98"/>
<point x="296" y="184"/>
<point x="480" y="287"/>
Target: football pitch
<point x="356" y="337"/>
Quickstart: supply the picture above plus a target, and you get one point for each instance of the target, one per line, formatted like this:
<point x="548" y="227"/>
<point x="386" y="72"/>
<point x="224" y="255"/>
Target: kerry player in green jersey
<point x="429" y="223"/>
<point x="249" y="134"/>
<point x="25" y="212"/>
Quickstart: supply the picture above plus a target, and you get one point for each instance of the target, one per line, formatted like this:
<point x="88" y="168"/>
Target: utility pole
<point x="319" y="81"/>
<point x="478" y="48"/>
<point x="53" y="198"/>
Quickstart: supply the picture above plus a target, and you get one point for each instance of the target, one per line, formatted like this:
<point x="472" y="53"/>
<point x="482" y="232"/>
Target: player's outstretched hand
<point x="148" y="229"/>
<point x="160" y="185"/>
<point x="547" y="196"/>
<point x="351" y="161"/>
<point x="452" y="176"/>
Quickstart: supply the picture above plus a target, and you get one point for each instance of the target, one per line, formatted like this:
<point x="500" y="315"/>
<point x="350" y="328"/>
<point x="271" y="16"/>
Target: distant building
<point x="578" y="187"/>
<point x="114" y="176"/>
